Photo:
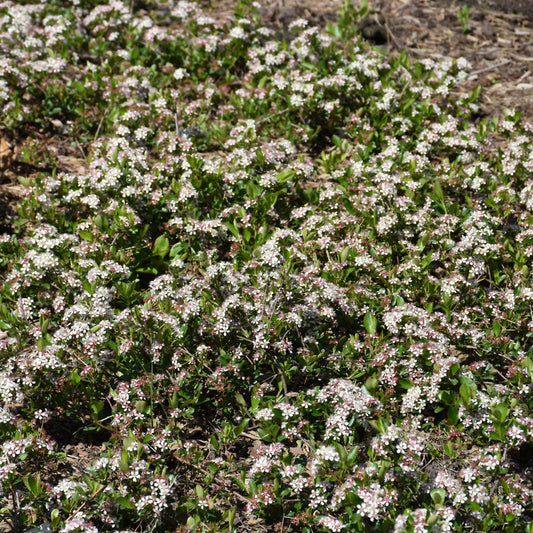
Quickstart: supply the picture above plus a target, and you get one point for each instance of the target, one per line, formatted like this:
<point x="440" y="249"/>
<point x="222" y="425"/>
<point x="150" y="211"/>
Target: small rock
<point x="57" y="123"/>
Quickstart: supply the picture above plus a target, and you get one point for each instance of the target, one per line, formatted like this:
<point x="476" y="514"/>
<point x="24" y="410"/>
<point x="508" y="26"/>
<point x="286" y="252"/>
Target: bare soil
<point x="498" y="41"/>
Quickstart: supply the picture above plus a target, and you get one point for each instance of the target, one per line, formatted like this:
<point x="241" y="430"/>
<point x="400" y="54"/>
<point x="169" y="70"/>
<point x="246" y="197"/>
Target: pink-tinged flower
<point x="419" y="521"/>
<point x="333" y="524"/>
<point x="468" y="474"/>
<point x="375" y="500"/>
<point x="327" y="453"/>
<point x="515" y="435"/>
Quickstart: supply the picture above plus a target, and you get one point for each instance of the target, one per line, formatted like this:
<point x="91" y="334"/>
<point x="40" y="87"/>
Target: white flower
<point x="179" y="73"/>
<point x="327" y="453"/>
<point x="237" y="33"/>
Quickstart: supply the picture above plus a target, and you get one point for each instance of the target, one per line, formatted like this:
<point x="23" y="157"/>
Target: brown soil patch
<point x="498" y="41"/>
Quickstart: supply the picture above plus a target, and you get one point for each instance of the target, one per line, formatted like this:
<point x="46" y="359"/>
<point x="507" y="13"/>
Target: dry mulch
<point x="498" y="43"/>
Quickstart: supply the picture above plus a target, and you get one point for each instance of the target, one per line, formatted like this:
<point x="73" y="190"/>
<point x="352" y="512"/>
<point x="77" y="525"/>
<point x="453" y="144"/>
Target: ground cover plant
<point x="289" y="288"/>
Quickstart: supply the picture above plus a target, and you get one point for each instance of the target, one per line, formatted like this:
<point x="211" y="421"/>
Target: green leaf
<point x="399" y="301"/>
<point x="241" y="427"/>
<point x="96" y="406"/>
<point x="352" y="456"/>
<point x="229" y="515"/>
<point x="55" y="518"/>
<point x="240" y="400"/>
<point x="174" y="401"/>
<point x="405" y="383"/>
<point x="494" y="436"/>
<point x="260" y="157"/>
<point x="437" y="190"/>
<point x="140" y="405"/>
<point x="496" y="328"/>
<point x="505" y="486"/>
<point x="453" y="415"/>
<point x="454" y="369"/>
<point x="127" y="442"/>
<point x="528" y="365"/>
<point x="146" y="270"/>
<point x="123" y="462"/>
<point x="88" y="286"/>
<point x="432" y="520"/>
<point x="25" y="182"/>
<point x="467" y="390"/>
<point x="345" y="252"/>
<point x="126" y="288"/>
<point x="438" y="496"/>
<point x="161" y="246"/>
<point x="264" y="435"/>
<point x="500" y="430"/>
<point x="239" y="483"/>
<point x="176" y="249"/>
<point x="500" y="412"/>
<point x="199" y="491"/>
<point x="193" y="521"/>
<point x="44" y="322"/>
<point x="215" y="443"/>
<point x="33" y="485"/>
<point x="450" y="451"/>
<point x="380" y="425"/>
<point x="99" y="221"/>
<point x="371" y="324"/>
<point x="86" y="235"/>
<point x="124" y="502"/>
<point x="285" y="176"/>
<point x="447" y="397"/>
<point x="234" y="229"/>
<point x="75" y="377"/>
<point x="371" y="384"/>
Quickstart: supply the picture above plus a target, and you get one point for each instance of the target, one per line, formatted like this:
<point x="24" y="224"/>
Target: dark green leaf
<point x="124" y="502"/>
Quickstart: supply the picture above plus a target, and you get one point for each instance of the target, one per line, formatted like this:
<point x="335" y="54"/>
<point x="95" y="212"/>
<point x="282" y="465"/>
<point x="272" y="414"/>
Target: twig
<point x="280" y="372"/>
<point x="81" y="149"/>
<point x="208" y="474"/>
<point x="486" y="69"/>
<point x="524" y="75"/>
<point x="273" y="115"/>
<point x="521" y="58"/>
<point x="15" y="515"/>
<point x="390" y="35"/>
<point x="495" y="483"/>
<point x="74" y="513"/>
<point x="99" y="126"/>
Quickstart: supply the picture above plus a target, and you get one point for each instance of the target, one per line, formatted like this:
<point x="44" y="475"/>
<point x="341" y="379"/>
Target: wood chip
<point x="6" y="154"/>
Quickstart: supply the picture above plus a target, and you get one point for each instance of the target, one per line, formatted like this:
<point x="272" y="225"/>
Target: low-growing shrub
<point x="288" y="288"/>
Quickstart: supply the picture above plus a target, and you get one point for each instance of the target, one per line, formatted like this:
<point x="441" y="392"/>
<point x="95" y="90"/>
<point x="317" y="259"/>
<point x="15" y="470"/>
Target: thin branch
<point x="486" y="69"/>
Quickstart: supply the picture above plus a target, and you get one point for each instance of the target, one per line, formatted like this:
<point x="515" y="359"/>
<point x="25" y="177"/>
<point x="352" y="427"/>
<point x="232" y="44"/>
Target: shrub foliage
<point x="288" y="287"/>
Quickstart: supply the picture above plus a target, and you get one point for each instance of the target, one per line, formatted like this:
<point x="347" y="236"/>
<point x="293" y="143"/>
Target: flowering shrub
<point x="289" y="288"/>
